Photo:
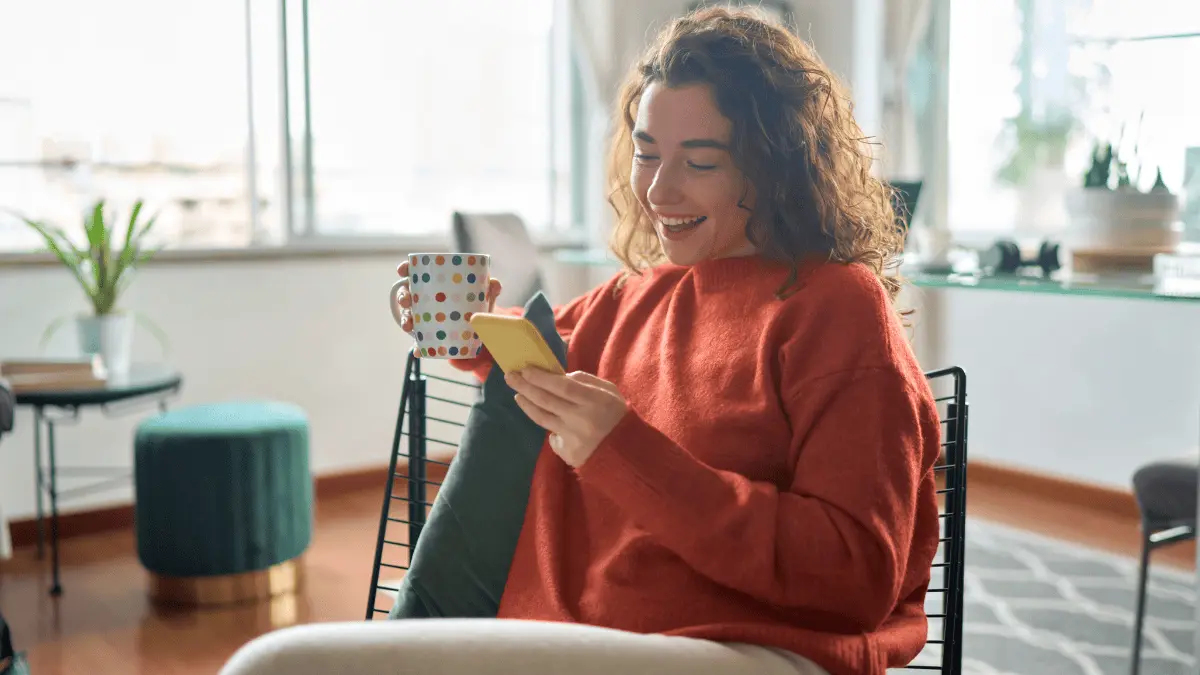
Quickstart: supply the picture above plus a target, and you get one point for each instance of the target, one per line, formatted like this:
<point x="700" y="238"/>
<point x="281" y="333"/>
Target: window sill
<point x="309" y="248"/>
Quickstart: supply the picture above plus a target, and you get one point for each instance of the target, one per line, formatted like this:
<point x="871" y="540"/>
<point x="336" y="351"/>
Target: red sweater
<point x="772" y="482"/>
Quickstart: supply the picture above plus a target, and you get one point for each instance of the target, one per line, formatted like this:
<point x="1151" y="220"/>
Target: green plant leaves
<point x="97" y="269"/>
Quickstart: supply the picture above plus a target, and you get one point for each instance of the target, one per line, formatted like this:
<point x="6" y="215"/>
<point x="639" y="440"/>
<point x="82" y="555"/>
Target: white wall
<point x="312" y="331"/>
<point x="1085" y="388"/>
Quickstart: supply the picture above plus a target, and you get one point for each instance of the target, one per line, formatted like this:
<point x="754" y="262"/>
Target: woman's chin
<point x="682" y="262"/>
<point x="687" y="247"/>
<point x="680" y="255"/>
<point x="697" y="250"/>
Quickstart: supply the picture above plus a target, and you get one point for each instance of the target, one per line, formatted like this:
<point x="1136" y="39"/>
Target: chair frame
<point x="952" y="468"/>
<point x="414" y="409"/>
<point x="1155" y="534"/>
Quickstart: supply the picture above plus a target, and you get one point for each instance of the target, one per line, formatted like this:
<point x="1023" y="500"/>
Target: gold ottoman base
<point x="225" y="589"/>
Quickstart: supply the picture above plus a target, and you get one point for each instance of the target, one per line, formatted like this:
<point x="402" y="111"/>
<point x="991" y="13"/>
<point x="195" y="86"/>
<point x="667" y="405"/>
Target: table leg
<point x="37" y="479"/>
<point x="56" y="588"/>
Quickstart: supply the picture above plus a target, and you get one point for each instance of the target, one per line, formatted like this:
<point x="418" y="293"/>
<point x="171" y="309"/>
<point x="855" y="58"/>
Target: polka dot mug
<point x="446" y="290"/>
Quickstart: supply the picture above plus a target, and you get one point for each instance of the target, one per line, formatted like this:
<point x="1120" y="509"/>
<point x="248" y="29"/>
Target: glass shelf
<point x="1140" y="287"/>
<point x="1132" y="287"/>
<point x="586" y="257"/>
<point x="1118" y="39"/>
<point x="1117" y="21"/>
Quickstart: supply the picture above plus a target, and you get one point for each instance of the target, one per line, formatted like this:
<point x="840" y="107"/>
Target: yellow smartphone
<point x="515" y="343"/>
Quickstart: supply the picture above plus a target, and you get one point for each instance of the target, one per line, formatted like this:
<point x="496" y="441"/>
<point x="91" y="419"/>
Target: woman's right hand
<point x="404" y="297"/>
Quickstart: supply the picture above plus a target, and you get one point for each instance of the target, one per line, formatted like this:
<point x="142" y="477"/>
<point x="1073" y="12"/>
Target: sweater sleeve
<point x="565" y="319"/>
<point x="835" y="539"/>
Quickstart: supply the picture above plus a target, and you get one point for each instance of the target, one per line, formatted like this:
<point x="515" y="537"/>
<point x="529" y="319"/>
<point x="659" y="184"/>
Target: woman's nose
<point x="665" y="189"/>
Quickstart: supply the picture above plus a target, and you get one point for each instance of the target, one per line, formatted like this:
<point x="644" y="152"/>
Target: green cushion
<point x="222" y="488"/>
<point x="460" y="565"/>
<point x="227" y="419"/>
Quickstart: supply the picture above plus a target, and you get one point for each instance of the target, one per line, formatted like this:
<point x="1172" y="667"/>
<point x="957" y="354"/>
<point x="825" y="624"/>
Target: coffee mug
<point x="446" y="289"/>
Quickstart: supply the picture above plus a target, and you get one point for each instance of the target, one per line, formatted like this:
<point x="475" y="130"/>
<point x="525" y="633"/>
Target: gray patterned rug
<point x="1037" y="606"/>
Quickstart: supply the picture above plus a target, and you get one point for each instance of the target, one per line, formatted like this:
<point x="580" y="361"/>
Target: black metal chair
<point x="428" y="417"/>
<point x="1166" y="496"/>
<point x="8" y="406"/>
<point x="944" y="603"/>
<point x="425" y="418"/>
<point x="9" y="658"/>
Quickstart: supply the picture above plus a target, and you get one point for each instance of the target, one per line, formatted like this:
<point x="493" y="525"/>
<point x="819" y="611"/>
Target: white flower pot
<point x="1104" y="219"/>
<point x="110" y="336"/>
<point x="1040" y="211"/>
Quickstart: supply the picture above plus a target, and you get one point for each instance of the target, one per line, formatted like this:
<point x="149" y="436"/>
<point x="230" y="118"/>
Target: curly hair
<point x="794" y="139"/>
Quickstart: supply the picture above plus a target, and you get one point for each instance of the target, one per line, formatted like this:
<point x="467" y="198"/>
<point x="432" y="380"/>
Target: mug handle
<point x="395" y="304"/>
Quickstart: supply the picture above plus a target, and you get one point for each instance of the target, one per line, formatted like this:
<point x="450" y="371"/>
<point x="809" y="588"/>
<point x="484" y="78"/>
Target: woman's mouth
<point x="677" y="225"/>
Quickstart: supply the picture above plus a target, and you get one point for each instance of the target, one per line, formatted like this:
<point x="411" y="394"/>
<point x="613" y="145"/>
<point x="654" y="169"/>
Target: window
<point x="125" y="99"/>
<point x="396" y="115"/>
<point x="1034" y="83"/>
<point x="421" y="109"/>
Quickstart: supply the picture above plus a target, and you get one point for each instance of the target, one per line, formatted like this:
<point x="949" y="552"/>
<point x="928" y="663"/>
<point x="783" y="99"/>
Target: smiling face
<point x="685" y="178"/>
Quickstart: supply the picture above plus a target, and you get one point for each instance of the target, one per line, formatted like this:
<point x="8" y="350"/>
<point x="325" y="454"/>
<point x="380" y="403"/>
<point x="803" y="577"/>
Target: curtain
<point x="593" y="40"/>
<point x="906" y="25"/>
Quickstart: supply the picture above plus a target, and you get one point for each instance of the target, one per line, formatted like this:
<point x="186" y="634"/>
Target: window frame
<point x="936" y="195"/>
<point x="300" y="226"/>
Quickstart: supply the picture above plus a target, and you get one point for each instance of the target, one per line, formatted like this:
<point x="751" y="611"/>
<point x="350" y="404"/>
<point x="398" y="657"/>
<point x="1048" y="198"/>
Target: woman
<point x="739" y="475"/>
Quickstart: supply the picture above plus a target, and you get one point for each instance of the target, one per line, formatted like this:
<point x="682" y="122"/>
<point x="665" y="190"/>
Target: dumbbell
<point x="1004" y="257"/>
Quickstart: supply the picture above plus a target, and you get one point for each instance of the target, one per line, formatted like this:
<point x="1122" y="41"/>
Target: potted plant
<point x="104" y="270"/>
<point x="1109" y="211"/>
<point x="1036" y="139"/>
<point x="1033" y="167"/>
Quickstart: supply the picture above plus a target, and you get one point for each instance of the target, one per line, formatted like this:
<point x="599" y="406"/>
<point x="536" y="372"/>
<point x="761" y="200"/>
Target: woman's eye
<point x="644" y="158"/>
<point x="702" y="167"/>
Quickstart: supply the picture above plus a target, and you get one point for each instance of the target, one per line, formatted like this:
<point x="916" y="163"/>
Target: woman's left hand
<point x="578" y="409"/>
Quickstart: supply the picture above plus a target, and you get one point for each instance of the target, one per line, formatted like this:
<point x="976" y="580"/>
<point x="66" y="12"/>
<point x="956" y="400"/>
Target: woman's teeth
<point x="681" y="224"/>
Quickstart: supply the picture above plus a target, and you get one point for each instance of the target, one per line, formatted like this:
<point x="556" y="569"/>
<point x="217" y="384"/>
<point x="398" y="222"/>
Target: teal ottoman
<point x="224" y="501"/>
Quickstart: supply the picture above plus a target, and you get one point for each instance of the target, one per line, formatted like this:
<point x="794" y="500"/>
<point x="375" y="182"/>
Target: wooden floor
<point x="104" y="625"/>
<point x="1097" y="528"/>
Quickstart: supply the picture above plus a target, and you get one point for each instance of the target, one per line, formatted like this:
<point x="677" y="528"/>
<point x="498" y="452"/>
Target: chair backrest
<point x="944" y="602"/>
<point x="906" y="196"/>
<point x="514" y="256"/>
<point x="432" y="412"/>
<point x="8" y="404"/>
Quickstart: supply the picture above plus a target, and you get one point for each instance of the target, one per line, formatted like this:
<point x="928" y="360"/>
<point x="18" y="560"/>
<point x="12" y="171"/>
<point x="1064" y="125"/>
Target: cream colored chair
<point x="514" y="256"/>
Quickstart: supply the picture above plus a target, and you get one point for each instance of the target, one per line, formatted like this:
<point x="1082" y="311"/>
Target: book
<point x="83" y="364"/>
<point x="30" y="375"/>
<point x="1177" y="273"/>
